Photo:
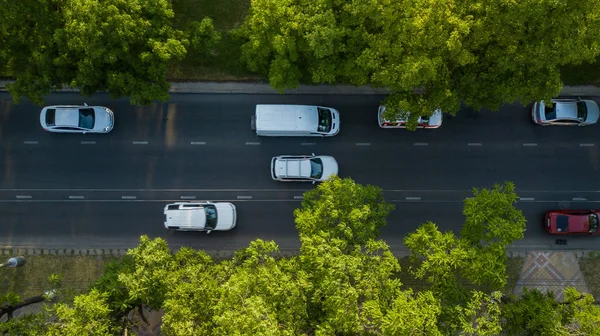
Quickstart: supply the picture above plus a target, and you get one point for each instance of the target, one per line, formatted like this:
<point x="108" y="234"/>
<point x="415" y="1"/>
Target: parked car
<point x="565" y="112"/>
<point x="572" y="222"/>
<point x="77" y="119"/>
<point x="200" y="216"/>
<point x="433" y="121"/>
<point x="299" y="168"/>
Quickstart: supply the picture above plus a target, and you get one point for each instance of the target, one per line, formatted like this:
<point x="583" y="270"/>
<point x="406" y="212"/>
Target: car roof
<point x="66" y="117"/>
<point x="293" y="167"/>
<point x="187" y="217"/>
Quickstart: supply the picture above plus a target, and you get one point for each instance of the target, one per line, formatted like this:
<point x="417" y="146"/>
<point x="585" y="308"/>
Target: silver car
<point x="77" y="119"/>
<point x="565" y="112"/>
<point x="303" y="168"/>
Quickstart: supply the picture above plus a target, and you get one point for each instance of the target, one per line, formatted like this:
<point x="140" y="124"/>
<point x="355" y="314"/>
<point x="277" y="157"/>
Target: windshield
<point x="86" y="118"/>
<point x="593" y="223"/>
<point x="316" y="168"/>
<point x="211" y="216"/>
<point x="324" y="120"/>
<point x="581" y="111"/>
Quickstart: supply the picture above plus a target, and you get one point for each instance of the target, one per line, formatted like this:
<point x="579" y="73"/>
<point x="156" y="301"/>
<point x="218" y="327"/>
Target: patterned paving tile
<point x="551" y="271"/>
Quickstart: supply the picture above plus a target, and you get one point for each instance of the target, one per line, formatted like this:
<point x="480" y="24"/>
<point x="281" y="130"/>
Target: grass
<point x="590" y="267"/>
<point x="77" y="271"/>
<point x="224" y="61"/>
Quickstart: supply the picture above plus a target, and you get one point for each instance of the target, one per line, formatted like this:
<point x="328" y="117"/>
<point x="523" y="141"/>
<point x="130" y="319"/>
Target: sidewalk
<point x="264" y="88"/>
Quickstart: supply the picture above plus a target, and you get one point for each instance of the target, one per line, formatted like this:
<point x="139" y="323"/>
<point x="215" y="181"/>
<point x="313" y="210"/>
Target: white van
<point x="296" y="120"/>
<point x="200" y="216"/>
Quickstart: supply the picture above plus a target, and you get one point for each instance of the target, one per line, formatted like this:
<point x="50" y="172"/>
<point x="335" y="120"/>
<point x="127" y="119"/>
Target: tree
<point x="124" y="47"/>
<point x="484" y="53"/>
<point x="343" y="209"/>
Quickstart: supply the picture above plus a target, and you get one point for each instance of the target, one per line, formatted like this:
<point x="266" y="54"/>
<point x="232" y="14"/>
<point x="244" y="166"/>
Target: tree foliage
<point x="341" y="208"/>
<point x="124" y="47"/>
<point x="484" y="53"/>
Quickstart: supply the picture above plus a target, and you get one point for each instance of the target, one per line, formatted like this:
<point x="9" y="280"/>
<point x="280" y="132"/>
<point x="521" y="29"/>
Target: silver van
<point x="296" y="120"/>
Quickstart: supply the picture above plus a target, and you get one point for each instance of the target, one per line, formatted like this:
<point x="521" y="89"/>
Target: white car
<point x="565" y="112"/>
<point x="433" y="121"/>
<point x="77" y="119"/>
<point x="302" y="168"/>
<point x="200" y="216"/>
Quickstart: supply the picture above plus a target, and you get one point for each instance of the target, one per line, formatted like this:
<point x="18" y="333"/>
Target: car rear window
<point x="550" y="112"/>
<point x="50" y="117"/>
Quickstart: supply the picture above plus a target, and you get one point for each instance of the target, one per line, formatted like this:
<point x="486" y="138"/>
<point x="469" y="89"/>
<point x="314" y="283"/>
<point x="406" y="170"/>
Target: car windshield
<point x="593" y="223"/>
<point x="324" y="120"/>
<point x="86" y="118"/>
<point x="211" y="216"/>
<point x="316" y="168"/>
<point x="581" y="110"/>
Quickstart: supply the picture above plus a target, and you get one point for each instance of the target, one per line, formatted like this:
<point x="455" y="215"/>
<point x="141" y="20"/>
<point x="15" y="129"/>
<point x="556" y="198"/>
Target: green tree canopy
<point x="484" y="53"/>
<point x="341" y="208"/>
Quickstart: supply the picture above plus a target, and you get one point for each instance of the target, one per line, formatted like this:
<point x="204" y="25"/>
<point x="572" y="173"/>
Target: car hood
<point x="593" y="113"/>
<point x="330" y="166"/>
<point x="227" y="216"/>
<point x="104" y="118"/>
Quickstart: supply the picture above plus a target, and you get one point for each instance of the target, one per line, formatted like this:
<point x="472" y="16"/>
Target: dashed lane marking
<point x="413" y="198"/>
<point x="88" y="142"/>
<point x="586" y="145"/>
<point x="308" y="143"/>
<point x="188" y="197"/>
<point x="420" y="144"/>
<point x="23" y="197"/>
<point x="75" y="197"/>
<point x="298" y="197"/>
<point x="526" y="199"/>
<point x="474" y="144"/>
<point x="198" y="143"/>
<point x="30" y="142"/>
<point x="530" y="144"/>
<point x="363" y="144"/>
<point x="244" y="197"/>
<point x="140" y="142"/>
<point x="252" y="143"/>
<point x="128" y="197"/>
<point x="579" y="199"/>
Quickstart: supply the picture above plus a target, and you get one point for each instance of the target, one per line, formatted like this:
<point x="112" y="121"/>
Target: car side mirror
<point x="208" y="231"/>
<point x="85" y="104"/>
<point x="314" y="182"/>
<point x="84" y="132"/>
<point x="313" y="154"/>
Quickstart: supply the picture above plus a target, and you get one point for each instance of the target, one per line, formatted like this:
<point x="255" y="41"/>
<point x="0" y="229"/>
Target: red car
<point x="572" y="222"/>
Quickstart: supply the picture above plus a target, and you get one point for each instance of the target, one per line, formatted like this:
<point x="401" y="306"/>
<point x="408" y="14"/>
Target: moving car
<point x="77" y="119"/>
<point x="295" y="120"/>
<point x="565" y="112"/>
<point x="572" y="222"/>
<point x="200" y="216"/>
<point x="290" y="168"/>
<point x="433" y="121"/>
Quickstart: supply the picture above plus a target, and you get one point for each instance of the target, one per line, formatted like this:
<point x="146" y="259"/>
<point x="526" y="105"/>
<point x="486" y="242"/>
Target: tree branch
<point x="9" y="309"/>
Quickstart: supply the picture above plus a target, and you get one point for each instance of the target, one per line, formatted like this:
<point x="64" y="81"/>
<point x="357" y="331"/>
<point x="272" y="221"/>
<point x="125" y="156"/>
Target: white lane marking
<point x="586" y="145"/>
<point x="474" y="144"/>
<point x="88" y="142"/>
<point x="413" y="198"/>
<point x="75" y="197"/>
<point x="530" y="144"/>
<point x="23" y="197"/>
<point x="30" y="142"/>
<point x="140" y="142"/>
<point x="308" y="143"/>
<point x="244" y="197"/>
<point x="299" y="197"/>
<point x="363" y="144"/>
<point x="128" y="197"/>
<point x="579" y="199"/>
<point x="188" y="197"/>
<point x="420" y="144"/>
<point x="198" y="143"/>
<point x="526" y="199"/>
<point x="249" y="143"/>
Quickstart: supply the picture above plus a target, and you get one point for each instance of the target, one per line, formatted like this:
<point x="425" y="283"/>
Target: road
<point x="62" y="190"/>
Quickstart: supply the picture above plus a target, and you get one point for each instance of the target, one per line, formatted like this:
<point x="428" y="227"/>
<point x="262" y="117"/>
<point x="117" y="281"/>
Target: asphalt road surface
<point x="63" y="190"/>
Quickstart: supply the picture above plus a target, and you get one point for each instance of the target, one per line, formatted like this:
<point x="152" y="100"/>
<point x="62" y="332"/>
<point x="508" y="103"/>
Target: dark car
<point x="572" y="222"/>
